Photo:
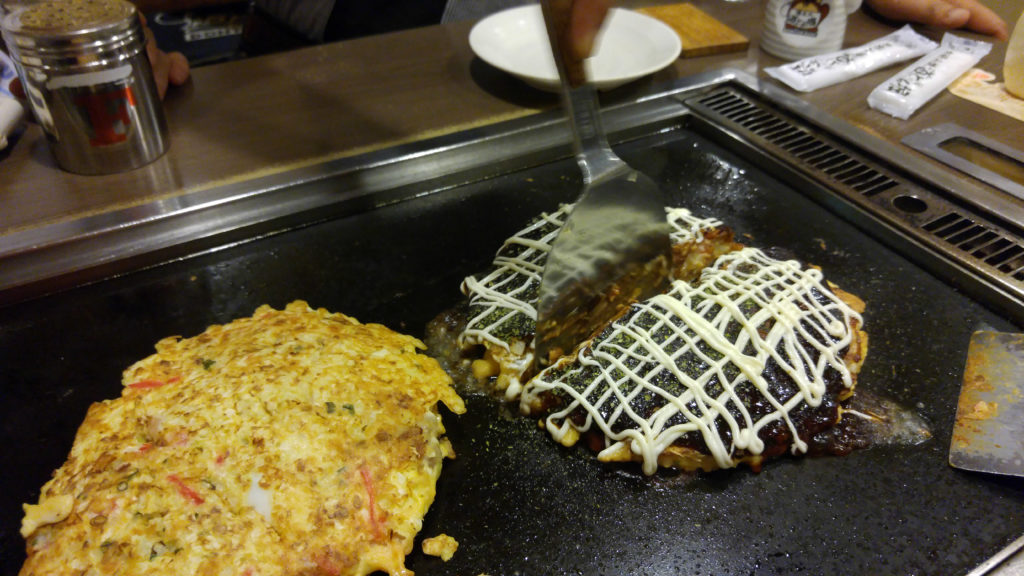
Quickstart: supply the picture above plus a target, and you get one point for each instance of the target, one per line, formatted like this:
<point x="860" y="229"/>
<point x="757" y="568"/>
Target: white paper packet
<point x="11" y="111"/>
<point x="915" y="85"/>
<point x="11" y="115"/>
<point x="817" y="72"/>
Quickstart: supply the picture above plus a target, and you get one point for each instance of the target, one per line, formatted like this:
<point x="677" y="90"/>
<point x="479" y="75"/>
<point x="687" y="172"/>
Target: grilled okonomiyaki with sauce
<point x="744" y="358"/>
<point x="296" y="441"/>
<point x="502" y="313"/>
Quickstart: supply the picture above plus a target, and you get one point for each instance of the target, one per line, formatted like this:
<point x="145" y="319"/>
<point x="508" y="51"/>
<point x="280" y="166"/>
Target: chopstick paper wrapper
<point x="915" y="85"/>
<point x="824" y="70"/>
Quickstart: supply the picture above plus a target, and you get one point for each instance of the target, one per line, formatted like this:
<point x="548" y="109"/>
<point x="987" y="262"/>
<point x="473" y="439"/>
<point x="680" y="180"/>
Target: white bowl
<point x="630" y="46"/>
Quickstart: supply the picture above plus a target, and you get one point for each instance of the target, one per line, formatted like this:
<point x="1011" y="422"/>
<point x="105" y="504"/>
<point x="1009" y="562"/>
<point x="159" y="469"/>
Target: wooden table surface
<point x="244" y="119"/>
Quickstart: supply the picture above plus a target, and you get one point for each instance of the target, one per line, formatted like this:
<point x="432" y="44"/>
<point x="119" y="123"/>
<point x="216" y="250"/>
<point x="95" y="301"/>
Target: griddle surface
<point x="516" y="502"/>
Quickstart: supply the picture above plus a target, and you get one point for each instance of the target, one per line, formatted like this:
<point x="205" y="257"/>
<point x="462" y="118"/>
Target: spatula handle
<point x="557" y="15"/>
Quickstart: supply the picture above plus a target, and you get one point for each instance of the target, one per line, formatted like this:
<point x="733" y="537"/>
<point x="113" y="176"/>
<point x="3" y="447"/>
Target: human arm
<point x="949" y="14"/>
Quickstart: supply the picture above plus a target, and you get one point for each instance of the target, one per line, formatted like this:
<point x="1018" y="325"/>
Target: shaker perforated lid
<point x="61" y="17"/>
<point x="73" y="35"/>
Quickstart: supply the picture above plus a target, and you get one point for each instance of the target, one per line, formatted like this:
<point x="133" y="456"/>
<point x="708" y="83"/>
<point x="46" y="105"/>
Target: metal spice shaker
<point x="88" y="82"/>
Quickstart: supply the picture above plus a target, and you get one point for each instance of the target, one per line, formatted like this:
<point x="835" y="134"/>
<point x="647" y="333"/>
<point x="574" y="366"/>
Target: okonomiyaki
<point x="746" y="356"/>
<point x="502" y="313"/>
<point x="296" y="441"/>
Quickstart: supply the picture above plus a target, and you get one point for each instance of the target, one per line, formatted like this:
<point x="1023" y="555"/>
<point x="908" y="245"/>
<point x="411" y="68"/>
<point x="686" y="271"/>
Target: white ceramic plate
<point x="630" y="46"/>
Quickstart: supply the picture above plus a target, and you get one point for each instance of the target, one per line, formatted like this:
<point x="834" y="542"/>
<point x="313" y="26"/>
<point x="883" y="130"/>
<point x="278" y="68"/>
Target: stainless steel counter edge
<point x="61" y="255"/>
<point x="50" y="258"/>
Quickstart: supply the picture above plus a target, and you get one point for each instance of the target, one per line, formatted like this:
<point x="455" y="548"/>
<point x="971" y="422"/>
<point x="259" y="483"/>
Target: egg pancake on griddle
<point x="296" y="441"/>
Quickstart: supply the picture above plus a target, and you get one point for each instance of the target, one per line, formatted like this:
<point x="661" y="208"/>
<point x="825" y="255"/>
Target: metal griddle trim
<point x="55" y="257"/>
<point x="946" y="225"/>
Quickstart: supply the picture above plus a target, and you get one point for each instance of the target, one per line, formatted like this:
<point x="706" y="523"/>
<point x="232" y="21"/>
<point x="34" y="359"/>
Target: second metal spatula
<point x="614" y="248"/>
<point x="988" y="433"/>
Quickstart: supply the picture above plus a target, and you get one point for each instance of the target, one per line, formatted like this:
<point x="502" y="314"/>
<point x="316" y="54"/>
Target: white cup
<point x="795" y="29"/>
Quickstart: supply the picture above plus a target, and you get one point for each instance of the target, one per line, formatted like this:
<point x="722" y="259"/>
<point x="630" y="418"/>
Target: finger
<point x="948" y="14"/>
<point x="931" y="12"/>
<point x="159" y="62"/>
<point x="178" y="70"/>
<point x="161" y="72"/>
<point x="983" y="19"/>
<point x="584" y="24"/>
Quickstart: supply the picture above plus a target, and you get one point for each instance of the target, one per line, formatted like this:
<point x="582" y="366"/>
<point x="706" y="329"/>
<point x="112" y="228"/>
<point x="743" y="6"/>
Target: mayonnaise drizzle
<point x="706" y="341"/>
<point x="746" y="312"/>
<point x="502" y="303"/>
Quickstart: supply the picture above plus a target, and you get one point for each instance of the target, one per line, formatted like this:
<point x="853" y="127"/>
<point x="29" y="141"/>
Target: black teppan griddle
<point x="517" y="503"/>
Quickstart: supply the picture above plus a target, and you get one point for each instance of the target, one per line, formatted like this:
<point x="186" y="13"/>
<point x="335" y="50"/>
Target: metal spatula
<point x="988" y="434"/>
<point x="614" y="248"/>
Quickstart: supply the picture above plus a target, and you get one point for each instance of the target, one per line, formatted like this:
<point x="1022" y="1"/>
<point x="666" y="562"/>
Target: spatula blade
<point x="988" y="435"/>
<point x="614" y="249"/>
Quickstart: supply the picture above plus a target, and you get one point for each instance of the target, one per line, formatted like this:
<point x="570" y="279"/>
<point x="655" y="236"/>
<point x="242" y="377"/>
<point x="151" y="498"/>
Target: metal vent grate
<point x="977" y="241"/>
<point x="957" y="241"/>
<point x="807" y="147"/>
